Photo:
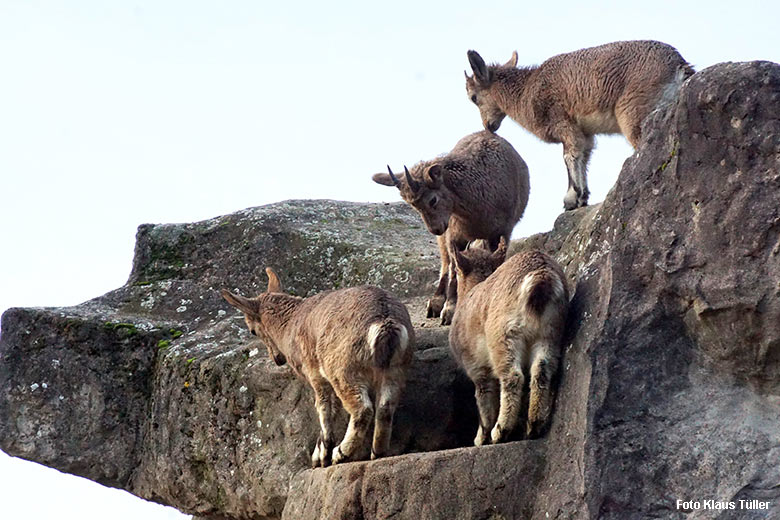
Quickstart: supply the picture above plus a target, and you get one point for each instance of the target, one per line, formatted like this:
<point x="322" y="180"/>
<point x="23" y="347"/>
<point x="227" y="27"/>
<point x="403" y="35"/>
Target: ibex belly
<point x="599" y="123"/>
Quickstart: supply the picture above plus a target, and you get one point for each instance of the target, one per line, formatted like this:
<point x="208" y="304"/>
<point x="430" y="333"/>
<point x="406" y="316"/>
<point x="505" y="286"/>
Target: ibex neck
<point x="509" y="85"/>
<point x="277" y="312"/>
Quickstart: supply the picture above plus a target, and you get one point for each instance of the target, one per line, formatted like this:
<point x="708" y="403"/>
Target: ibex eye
<point x="474" y="99"/>
<point x="253" y="332"/>
<point x="433" y="202"/>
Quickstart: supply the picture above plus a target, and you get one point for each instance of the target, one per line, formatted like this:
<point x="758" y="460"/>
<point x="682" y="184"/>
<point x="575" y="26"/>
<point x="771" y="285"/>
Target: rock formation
<point x="669" y="387"/>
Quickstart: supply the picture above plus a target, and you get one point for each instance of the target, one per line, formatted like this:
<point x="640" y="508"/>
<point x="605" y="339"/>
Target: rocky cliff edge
<point x="669" y="387"/>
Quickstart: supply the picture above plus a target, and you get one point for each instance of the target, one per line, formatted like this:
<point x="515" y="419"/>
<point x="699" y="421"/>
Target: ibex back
<point x="571" y="97"/>
<point x="352" y="344"/>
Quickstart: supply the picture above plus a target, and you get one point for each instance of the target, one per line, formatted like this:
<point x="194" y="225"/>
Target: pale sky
<point x="114" y="114"/>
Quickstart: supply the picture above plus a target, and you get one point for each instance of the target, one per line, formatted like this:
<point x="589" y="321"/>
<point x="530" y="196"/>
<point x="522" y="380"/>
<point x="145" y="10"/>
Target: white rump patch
<point x="404" y="338"/>
<point x="373" y="333"/>
<point x="526" y="285"/>
<point x="558" y="288"/>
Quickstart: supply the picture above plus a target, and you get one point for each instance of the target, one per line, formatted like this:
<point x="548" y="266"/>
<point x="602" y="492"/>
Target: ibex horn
<point x="393" y="177"/>
<point x="412" y="183"/>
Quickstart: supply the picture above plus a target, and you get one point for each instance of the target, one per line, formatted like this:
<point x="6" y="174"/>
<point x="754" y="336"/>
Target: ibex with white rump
<point x="477" y="191"/>
<point x="568" y="99"/>
<point x="510" y="321"/>
<point x="355" y="344"/>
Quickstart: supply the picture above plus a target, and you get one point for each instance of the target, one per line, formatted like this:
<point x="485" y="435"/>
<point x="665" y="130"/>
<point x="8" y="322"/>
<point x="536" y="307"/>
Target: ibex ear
<point x="384" y="179"/>
<point x="499" y="255"/>
<point x="274" y="285"/>
<point x="433" y="176"/>
<point x="512" y="61"/>
<point x="461" y="262"/>
<point x="245" y="305"/>
<point x="481" y="72"/>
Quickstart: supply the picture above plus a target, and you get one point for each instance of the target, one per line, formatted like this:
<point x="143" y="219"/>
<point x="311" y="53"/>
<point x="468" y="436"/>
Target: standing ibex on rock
<point x="355" y="344"/>
<point x="510" y="321"/>
<point x="571" y="97"/>
<point x="477" y="191"/>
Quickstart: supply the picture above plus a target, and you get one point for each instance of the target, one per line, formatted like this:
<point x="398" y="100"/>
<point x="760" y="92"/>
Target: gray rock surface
<point x="157" y="387"/>
<point x="669" y="388"/>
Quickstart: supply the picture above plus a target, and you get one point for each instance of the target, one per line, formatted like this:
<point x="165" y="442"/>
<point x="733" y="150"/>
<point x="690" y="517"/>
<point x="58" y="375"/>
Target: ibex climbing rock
<point x="479" y="190"/>
<point x="569" y="98"/>
<point x="354" y="345"/>
<point x="509" y="325"/>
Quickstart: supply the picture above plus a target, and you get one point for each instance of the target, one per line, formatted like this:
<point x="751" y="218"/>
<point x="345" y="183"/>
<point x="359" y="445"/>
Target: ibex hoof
<point x="481" y="437"/>
<point x="570" y="203"/>
<point x="338" y="456"/>
<point x="497" y="435"/>
<point x="435" y="304"/>
<point x="570" y="200"/>
<point x="447" y="313"/>
<point x="320" y="457"/>
<point x="534" y="429"/>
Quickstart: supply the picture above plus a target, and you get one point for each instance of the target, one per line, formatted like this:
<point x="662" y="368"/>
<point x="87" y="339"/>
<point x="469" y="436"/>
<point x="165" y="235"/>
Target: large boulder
<point x="669" y="388"/>
<point x="157" y="387"/>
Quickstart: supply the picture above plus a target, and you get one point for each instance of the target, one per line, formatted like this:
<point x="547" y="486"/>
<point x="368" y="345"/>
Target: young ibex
<point x="571" y="97"/>
<point x="477" y="191"/>
<point x="510" y="321"/>
<point x="355" y="344"/>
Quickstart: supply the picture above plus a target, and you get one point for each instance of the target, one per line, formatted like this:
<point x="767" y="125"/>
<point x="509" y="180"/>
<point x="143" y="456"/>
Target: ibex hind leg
<point x="630" y="122"/>
<point x="544" y="365"/>
<point x="486" y="391"/>
<point x="387" y="401"/>
<point x="358" y="405"/>
<point x="511" y="380"/>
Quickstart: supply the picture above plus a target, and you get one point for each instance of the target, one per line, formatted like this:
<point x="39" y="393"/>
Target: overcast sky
<point x="114" y="114"/>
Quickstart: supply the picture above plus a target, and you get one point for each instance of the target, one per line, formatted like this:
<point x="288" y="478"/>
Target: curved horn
<point x="412" y="183"/>
<point x="393" y="177"/>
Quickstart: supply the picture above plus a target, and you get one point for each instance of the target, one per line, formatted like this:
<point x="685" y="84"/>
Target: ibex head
<point x="478" y="89"/>
<point x="475" y="264"/>
<point x="427" y="194"/>
<point x="254" y="309"/>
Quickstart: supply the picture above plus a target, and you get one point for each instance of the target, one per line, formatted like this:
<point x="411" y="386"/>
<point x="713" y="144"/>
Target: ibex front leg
<point x="436" y="303"/>
<point x="448" y="311"/>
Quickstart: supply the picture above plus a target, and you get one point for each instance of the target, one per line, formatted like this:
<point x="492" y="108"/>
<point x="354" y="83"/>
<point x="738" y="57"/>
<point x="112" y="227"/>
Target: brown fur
<point x="353" y="344"/>
<point x="509" y="323"/>
<point x="572" y="97"/>
<point x="479" y="190"/>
